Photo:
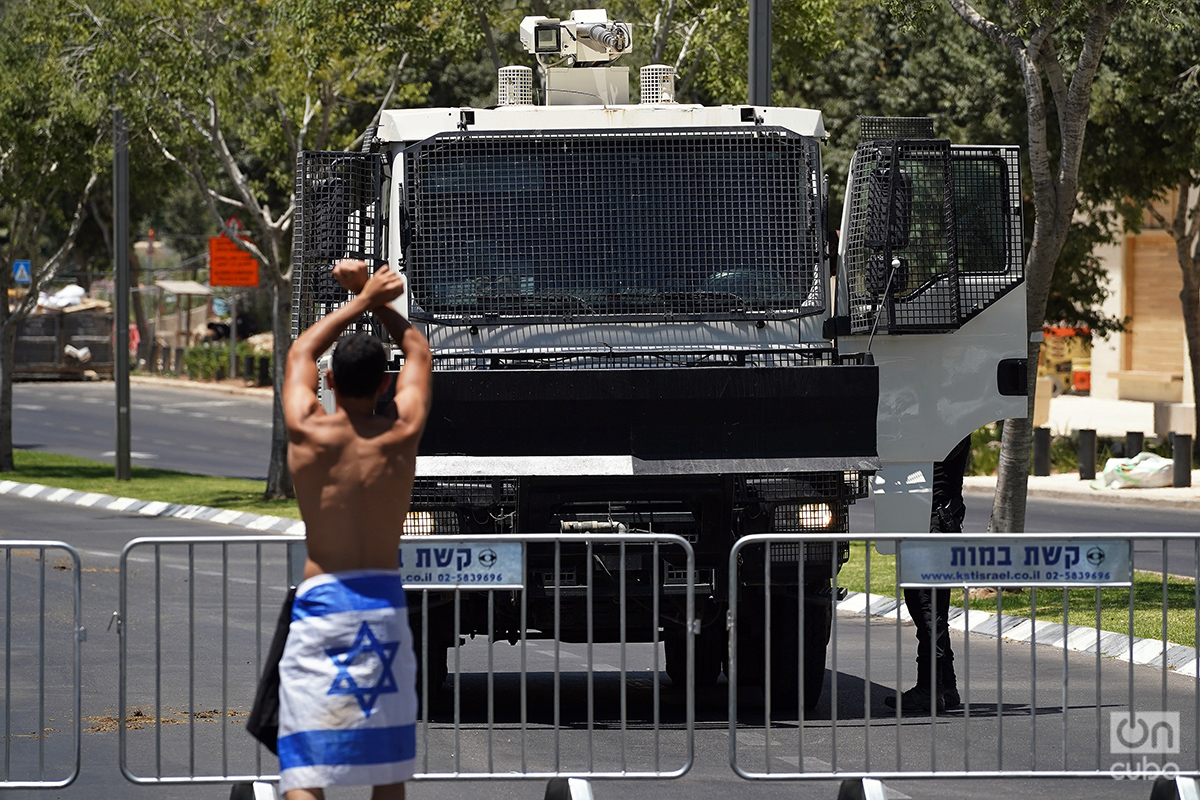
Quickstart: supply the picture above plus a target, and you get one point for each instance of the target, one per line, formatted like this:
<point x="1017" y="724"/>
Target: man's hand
<point x="351" y="274"/>
<point x="378" y="289"/>
<point x="382" y="288"/>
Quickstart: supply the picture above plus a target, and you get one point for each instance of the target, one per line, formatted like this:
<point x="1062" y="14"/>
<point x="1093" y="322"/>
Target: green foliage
<point x="1146" y="110"/>
<point x="985" y="451"/>
<point x="49" y="125"/>
<point x="942" y="69"/>
<point x="210" y="362"/>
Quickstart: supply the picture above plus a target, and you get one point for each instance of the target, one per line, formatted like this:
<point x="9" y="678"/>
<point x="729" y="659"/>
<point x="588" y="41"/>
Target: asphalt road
<point x="188" y="430"/>
<point x="200" y="431"/>
<point x="100" y="535"/>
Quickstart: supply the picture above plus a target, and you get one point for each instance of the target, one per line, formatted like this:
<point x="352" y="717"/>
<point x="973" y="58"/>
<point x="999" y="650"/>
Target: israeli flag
<point x="347" y="693"/>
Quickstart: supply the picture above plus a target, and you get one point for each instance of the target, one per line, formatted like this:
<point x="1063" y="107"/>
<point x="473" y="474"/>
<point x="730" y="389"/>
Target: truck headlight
<point x="418" y="523"/>
<point x="793" y="517"/>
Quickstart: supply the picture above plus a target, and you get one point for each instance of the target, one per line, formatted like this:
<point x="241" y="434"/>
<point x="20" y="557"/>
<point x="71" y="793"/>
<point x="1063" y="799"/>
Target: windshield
<point x="710" y="224"/>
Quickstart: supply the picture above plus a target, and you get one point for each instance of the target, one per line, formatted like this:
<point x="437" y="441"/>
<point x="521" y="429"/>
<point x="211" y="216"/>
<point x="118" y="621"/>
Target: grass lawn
<point x="1081" y="603"/>
<point x="147" y="484"/>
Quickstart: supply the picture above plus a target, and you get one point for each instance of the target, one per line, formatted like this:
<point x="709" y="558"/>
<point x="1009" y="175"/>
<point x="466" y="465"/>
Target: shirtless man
<point x="347" y="699"/>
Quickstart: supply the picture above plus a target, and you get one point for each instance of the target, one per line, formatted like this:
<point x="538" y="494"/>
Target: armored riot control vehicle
<point x="645" y="316"/>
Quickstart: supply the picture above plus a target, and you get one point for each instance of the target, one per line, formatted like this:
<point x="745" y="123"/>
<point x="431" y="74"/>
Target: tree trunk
<point x="279" y="479"/>
<point x="1188" y="254"/>
<point x="139" y="313"/>
<point x="1055" y="186"/>
<point x="1190" y="299"/>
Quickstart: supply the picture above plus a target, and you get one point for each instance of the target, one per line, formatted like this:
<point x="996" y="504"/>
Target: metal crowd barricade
<point x="43" y="631"/>
<point x="1098" y="680"/>
<point x="197" y="615"/>
<point x="195" y="621"/>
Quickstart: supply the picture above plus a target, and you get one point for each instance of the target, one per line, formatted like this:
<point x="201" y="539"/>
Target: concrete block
<point x="1174" y="418"/>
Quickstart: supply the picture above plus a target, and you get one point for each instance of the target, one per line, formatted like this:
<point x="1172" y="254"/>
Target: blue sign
<point x="22" y="272"/>
<point x="1016" y="562"/>
<point x="461" y="565"/>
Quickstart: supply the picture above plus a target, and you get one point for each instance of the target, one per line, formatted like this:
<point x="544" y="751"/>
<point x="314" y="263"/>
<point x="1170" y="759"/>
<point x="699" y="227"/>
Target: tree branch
<point x="387" y="98"/>
<point x="661" y="32"/>
<point x="51" y="266"/>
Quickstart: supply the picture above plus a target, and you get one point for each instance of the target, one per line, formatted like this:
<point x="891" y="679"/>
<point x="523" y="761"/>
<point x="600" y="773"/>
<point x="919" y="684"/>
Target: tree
<point x="1148" y="112"/>
<point x="1057" y="48"/>
<point x="938" y="70"/>
<point x="706" y="41"/>
<point x="50" y="130"/>
<point x="231" y="94"/>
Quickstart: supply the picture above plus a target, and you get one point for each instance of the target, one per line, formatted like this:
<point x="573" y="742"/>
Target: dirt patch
<point x="138" y="719"/>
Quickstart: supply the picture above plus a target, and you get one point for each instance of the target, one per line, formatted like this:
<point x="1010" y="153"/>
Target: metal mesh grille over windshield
<point x="339" y="214"/>
<point x="580" y="226"/>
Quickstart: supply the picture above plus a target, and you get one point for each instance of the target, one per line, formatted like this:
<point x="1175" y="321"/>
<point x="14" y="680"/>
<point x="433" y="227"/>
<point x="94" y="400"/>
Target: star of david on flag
<point x="343" y="657"/>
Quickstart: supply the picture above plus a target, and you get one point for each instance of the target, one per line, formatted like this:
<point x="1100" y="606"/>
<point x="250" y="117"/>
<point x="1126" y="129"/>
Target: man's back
<point x="353" y="479"/>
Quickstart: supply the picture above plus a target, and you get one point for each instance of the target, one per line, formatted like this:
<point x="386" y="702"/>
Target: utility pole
<point x="760" y="53"/>
<point x="121" y="278"/>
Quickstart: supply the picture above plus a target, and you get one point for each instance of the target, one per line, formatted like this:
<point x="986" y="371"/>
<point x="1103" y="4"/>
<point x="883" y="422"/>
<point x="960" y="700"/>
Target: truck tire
<point x="817" y="627"/>
<point x="710" y="646"/>
<point x="438" y="646"/>
<point x="787" y="674"/>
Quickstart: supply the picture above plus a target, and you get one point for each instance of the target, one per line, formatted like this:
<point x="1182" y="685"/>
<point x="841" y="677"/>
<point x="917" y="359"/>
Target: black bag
<point x="263" y="723"/>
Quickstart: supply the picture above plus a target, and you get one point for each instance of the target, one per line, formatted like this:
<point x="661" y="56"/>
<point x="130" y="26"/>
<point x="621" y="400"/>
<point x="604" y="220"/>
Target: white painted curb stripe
<point x="1147" y="652"/>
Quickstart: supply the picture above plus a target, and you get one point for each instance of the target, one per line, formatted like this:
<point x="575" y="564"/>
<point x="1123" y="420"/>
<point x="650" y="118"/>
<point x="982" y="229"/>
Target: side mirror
<point x="889" y="209"/>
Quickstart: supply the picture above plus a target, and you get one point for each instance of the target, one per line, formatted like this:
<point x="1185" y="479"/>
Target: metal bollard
<point x="264" y="371"/>
<point x="1087" y="454"/>
<point x="178" y="361"/>
<point x="864" y="789"/>
<point x="1182" y="451"/>
<point x="247" y="367"/>
<point x="1135" y="442"/>
<point x="568" y="789"/>
<point x="1041" y="451"/>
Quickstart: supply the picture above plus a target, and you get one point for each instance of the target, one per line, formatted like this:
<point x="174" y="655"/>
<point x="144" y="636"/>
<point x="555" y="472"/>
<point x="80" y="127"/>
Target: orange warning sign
<point x="230" y="265"/>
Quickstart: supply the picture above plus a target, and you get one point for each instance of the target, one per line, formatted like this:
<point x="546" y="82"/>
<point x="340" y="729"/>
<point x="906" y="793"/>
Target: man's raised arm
<point x="301" y="378"/>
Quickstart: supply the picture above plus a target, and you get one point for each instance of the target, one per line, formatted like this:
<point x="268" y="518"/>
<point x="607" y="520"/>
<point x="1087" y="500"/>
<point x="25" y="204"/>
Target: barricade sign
<point x="1003" y="562"/>
<point x="462" y="565"/>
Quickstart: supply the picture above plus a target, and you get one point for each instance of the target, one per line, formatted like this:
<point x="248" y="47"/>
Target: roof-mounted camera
<point x="589" y="38"/>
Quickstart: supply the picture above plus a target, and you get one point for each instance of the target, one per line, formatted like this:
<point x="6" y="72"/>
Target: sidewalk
<point x="1068" y="487"/>
<point x="234" y="386"/>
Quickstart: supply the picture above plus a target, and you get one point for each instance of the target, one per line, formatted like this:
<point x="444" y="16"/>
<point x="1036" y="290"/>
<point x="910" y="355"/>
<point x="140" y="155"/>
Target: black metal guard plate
<point x="697" y="415"/>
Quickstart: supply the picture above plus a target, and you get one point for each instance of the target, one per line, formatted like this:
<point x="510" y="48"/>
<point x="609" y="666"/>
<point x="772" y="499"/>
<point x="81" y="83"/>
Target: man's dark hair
<point x="358" y="365"/>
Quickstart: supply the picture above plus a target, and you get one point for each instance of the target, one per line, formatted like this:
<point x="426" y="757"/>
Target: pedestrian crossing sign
<point x="21" y="272"/>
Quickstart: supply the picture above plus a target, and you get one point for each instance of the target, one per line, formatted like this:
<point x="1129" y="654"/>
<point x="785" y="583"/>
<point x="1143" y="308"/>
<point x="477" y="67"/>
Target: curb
<point x="1068" y="488"/>
<point x="1180" y="659"/>
<point x="206" y="386"/>
<point x="263" y="523"/>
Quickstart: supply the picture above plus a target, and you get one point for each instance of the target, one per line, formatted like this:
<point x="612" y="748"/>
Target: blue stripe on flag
<point x="348" y="747"/>
<point x="359" y="593"/>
